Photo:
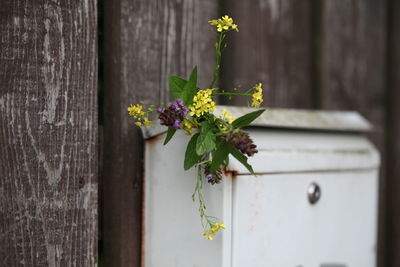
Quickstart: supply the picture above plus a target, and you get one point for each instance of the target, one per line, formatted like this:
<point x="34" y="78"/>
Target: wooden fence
<point x="310" y="54"/>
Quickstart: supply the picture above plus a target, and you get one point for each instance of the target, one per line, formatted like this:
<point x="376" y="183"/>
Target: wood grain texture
<point x="145" y="42"/>
<point x="48" y="127"/>
<point x="353" y="60"/>
<point x="353" y="71"/>
<point x="273" y="46"/>
<point x="392" y="233"/>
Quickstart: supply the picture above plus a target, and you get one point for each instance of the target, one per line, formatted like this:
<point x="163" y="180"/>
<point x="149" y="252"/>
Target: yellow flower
<point x="227" y="116"/>
<point x="217" y="226"/>
<point x="222" y="126"/>
<point x="202" y="103"/>
<point x="213" y="22"/>
<point x="135" y="111"/>
<point x="187" y="126"/>
<point x="257" y="96"/>
<point x="224" y="24"/>
<point x="220" y="225"/>
<point x="213" y="230"/>
<point x="208" y="234"/>
<point x="147" y="122"/>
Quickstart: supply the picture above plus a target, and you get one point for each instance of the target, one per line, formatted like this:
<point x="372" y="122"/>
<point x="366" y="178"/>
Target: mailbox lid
<point x="337" y="121"/>
<point x="290" y="151"/>
<point x="292" y="140"/>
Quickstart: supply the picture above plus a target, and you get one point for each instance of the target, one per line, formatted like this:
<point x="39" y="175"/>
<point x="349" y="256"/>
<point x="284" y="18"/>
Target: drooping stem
<point x="218" y="56"/>
<point x="205" y="219"/>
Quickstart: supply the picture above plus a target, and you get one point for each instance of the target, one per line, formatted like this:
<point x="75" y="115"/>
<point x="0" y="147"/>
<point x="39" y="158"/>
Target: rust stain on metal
<point x="154" y="139"/>
<point x="232" y="173"/>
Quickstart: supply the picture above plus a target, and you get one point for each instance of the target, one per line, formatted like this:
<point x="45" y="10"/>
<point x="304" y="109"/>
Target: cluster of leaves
<point x="206" y="141"/>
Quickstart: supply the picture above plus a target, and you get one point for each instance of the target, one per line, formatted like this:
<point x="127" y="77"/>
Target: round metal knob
<point x="313" y="193"/>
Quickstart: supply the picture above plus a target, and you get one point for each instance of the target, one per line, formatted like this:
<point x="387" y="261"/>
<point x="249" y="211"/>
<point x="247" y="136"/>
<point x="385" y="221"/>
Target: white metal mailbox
<point x="312" y="202"/>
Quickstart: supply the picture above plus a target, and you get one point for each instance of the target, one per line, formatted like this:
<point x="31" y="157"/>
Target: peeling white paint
<point x="53" y="174"/>
<point x="88" y="190"/>
<point x="71" y="118"/>
<point x="52" y="72"/>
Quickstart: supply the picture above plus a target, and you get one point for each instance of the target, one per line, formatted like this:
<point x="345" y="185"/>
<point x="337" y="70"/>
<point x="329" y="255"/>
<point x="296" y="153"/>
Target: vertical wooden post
<point x="354" y="61"/>
<point x="48" y="128"/>
<point x="273" y="46"/>
<point x="353" y="66"/>
<point x="392" y="196"/>
<point x="145" y="42"/>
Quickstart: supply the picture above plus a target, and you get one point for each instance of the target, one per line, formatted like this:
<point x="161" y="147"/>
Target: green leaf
<point x="170" y="134"/>
<point x="226" y="161"/>
<point x="247" y="119"/>
<point x="190" y="89"/>
<point x="176" y="85"/>
<point x="206" y="141"/>
<point x="220" y="155"/>
<point x="241" y="158"/>
<point x="191" y="157"/>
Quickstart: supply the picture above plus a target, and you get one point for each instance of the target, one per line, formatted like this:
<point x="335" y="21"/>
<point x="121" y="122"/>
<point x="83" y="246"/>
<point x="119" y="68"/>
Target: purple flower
<point x="176" y="124"/>
<point x="213" y="178"/>
<point x="241" y="141"/>
<point x="174" y="115"/>
<point x="179" y="102"/>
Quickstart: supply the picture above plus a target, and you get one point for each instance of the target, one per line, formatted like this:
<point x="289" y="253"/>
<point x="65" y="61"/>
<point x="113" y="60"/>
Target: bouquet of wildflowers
<point x="213" y="138"/>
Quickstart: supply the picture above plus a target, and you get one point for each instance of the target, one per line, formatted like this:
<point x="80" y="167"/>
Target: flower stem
<point x="229" y="93"/>
<point x="218" y="56"/>
<point x="201" y="163"/>
<point x="205" y="219"/>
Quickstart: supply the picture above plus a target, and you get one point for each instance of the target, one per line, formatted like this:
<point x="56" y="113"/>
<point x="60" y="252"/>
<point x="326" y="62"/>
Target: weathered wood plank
<point x="48" y="128"/>
<point x="393" y="141"/>
<point x="353" y="66"/>
<point x="273" y="46"/>
<point x="353" y="63"/>
<point x="145" y="41"/>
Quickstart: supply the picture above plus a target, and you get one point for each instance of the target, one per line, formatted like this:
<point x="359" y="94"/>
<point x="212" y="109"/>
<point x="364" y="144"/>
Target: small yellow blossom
<point x="202" y="103"/>
<point x="222" y="126"/>
<point x="217" y="226"/>
<point x="224" y="24"/>
<point x="213" y="230"/>
<point x="227" y="116"/>
<point x="257" y="96"/>
<point x="187" y="126"/>
<point x="147" y="122"/>
<point x="135" y="111"/>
